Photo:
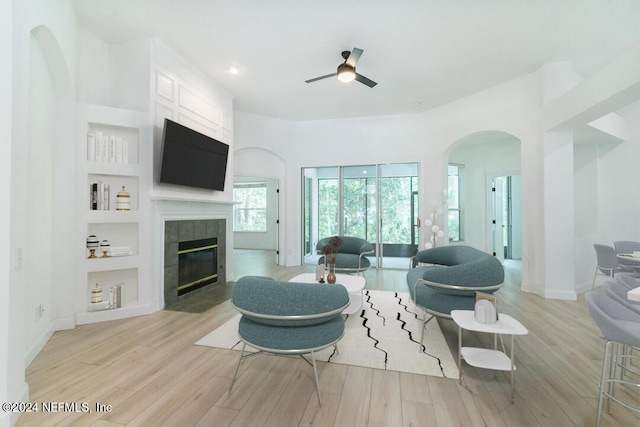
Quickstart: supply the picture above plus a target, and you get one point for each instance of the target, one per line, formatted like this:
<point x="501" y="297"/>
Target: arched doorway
<point x="488" y="164"/>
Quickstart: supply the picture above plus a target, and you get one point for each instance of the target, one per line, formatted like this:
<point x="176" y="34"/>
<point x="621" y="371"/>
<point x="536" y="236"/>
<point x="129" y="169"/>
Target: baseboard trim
<point x="114" y="314"/>
<point x="65" y="323"/>
<point x="9" y="419"/>
<point x="39" y="343"/>
<point x="561" y="295"/>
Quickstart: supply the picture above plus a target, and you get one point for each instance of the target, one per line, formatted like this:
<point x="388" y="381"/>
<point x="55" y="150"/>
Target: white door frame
<point x="490" y="214"/>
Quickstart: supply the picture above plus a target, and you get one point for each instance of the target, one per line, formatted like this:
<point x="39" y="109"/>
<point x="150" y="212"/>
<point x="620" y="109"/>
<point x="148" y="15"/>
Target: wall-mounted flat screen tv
<point x="191" y="158"/>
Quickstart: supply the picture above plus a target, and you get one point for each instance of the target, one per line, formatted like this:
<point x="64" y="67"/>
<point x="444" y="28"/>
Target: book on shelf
<point x="118" y="155"/>
<point x="125" y="152"/>
<point x="99" y="196"/>
<point x="93" y="196"/>
<point x="91" y="147"/>
<point x="115" y="295"/>
<point x="98" y="306"/>
<point x="116" y="251"/>
<point x="106" y="194"/>
<point x="107" y="148"/>
<point x="112" y="148"/>
<point x="98" y="147"/>
<point x="114" y="301"/>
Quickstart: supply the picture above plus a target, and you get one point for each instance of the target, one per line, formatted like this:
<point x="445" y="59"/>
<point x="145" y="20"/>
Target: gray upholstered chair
<point x="288" y="318"/>
<point x="627" y="247"/>
<point x="607" y="262"/>
<point x="618" y="325"/>
<point x="351" y="254"/>
<point x="451" y="279"/>
<point x="618" y="292"/>
<point x="628" y="280"/>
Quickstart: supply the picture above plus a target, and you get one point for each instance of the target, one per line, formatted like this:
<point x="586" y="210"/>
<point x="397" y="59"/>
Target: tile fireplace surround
<point x="185" y="230"/>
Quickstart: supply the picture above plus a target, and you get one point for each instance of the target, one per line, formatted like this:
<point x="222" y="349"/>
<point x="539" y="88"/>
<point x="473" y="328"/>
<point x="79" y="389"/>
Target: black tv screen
<point x="191" y="158"/>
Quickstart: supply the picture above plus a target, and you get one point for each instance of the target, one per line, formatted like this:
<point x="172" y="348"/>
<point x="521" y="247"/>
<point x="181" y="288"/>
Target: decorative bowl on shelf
<point x="104" y="247"/>
<point x="92" y="244"/>
<point x="123" y="200"/>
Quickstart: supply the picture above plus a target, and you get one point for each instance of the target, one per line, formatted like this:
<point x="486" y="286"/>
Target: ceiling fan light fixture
<point x="346" y="73"/>
<point x="347" y="70"/>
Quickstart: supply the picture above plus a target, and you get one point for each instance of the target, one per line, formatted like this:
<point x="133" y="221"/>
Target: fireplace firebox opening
<point x="197" y="264"/>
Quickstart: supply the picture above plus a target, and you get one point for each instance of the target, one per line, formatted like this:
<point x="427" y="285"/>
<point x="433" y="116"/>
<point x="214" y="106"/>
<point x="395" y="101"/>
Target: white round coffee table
<point x="354" y="284"/>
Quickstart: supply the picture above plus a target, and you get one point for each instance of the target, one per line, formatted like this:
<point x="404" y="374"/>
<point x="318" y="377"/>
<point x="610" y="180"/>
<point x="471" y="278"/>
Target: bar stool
<point x="629" y="280"/>
<point x="618" y="293"/>
<point x="618" y="325"/>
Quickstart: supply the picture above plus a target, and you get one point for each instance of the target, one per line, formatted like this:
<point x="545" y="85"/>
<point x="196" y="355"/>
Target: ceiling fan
<point x="347" y="70"/>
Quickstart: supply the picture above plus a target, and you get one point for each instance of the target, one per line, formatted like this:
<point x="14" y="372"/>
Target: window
<point x="453" y="199"/>
<point x="250" y="210"/>
<point x="328" y="198"/>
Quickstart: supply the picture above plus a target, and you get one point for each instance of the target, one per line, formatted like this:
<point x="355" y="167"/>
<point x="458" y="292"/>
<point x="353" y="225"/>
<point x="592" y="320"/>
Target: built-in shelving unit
<point x="122" y="162"/>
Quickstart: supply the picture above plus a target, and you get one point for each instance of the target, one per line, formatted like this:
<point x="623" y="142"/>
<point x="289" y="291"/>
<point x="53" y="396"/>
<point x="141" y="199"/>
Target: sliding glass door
<point x="359" y="202"/>
<point x="398" y="213"/>
<point x="377" y="203"/>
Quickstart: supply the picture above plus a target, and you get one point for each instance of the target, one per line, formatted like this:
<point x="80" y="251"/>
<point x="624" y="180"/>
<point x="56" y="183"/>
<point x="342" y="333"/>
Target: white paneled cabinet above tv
<point x="114" y="182"/>
<point x="185" y="96"/>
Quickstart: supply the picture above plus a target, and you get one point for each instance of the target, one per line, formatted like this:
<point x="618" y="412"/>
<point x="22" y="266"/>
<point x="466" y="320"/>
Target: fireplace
<point x="194" y="257"/>
<point x="197" y="264"/>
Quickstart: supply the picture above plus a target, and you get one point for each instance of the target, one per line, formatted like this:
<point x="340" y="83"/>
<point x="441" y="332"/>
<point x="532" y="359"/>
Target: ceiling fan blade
<point x="353" y="58"/>
<point x="321" y="77"/>
<point x="362" y="79"/>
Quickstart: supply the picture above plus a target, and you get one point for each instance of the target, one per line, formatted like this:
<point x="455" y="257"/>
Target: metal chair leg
<point x="602" y="381"/>
<point x="424" y="325"/>
<point x="235" y="374"/>
<point x="315" y="373"/>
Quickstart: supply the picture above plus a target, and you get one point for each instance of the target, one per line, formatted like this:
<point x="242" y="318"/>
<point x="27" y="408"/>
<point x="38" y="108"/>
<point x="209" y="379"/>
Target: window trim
<point x="460" y="211"/>
<point x="236" y="206"/>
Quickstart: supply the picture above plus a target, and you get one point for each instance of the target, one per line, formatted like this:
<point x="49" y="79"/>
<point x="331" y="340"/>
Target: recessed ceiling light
<point x="233" y="70"/>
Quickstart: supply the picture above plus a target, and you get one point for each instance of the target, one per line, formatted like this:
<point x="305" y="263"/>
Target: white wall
<point x="586" y="199"/>
<point x="615" y="88"/>
<point x="618" y="175"/>
<point x="44" y="46"/>
<point x="559" y="230"/>
<point x="515" y="107"/>
<point x="39" y="187"/>
<point x="425" y="138"/>
<point x="10" y="374"/>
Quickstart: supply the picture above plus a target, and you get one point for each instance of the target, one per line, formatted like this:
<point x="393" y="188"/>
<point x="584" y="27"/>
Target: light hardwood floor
<point x="151" y="374"/>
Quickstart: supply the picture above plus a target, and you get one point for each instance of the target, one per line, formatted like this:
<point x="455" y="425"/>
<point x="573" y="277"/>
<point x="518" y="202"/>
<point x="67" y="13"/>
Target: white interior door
<point x="497" y="215"/>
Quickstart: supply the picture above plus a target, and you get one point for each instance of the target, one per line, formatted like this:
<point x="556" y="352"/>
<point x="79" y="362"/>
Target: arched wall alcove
<point x="484" y="158"/>
<point x="50" y="186"/>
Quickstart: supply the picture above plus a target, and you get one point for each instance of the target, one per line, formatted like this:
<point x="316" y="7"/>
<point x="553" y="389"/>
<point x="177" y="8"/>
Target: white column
<point x="559" y="233"/>
<point x="6" y="42"/>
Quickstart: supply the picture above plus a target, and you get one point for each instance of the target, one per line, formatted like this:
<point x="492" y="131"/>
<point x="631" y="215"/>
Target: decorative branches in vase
<point x="330" y="254"/>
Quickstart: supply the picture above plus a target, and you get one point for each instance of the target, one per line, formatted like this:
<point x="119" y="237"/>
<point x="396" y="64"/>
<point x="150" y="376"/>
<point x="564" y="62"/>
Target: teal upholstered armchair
<point x="451" y="277"/>
<point x="350" y="255"/>
<point x="288" y="318"/>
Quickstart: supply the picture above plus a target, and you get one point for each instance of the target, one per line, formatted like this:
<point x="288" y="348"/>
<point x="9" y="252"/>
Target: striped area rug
<point x="385" y="334"/>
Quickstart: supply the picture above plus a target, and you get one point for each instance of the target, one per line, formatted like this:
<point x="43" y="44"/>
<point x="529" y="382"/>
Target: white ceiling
<point x="422" y="53"/>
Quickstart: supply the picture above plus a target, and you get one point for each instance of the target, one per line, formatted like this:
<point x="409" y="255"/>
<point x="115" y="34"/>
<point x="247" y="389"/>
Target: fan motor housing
<point x="346" y="68"/>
